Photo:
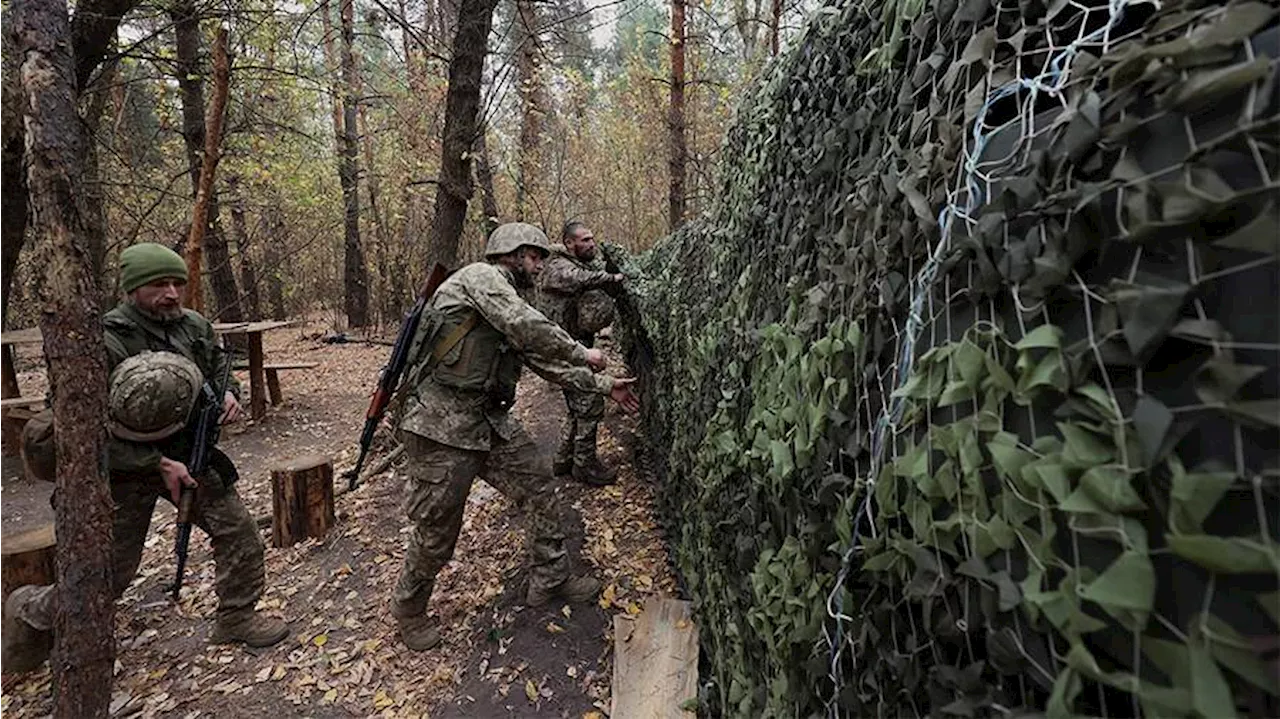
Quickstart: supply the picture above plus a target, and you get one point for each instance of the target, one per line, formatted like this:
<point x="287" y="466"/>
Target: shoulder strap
<point x="455" y="336"/>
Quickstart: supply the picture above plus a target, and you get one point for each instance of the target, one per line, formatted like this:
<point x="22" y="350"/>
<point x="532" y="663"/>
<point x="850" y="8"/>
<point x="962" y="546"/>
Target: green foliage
<point x="962" y="427"/>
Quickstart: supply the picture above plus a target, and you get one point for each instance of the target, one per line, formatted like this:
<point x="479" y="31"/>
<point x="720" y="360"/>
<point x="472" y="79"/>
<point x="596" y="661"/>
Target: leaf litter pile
<point x="343" y="657"/>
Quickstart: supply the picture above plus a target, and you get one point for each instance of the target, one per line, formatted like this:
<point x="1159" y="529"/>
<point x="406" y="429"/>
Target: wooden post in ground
<point x="655" y="662"/>
<point x="302" y="500"/>
<point x="27" y="558"/>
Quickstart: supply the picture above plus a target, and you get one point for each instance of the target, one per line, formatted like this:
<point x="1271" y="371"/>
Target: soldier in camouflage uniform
<point x="159" y="351"/>
<point x="573" y="292"/>
<point x="464" y="363"/>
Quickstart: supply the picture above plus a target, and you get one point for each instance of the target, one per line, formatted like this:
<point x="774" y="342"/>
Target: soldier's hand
<point x="230" y="409"/>
<point x="620" y="278"/>
<point x="624" y="395"/>
<point x="175" y="476"/>
<point x="596" y="359"/>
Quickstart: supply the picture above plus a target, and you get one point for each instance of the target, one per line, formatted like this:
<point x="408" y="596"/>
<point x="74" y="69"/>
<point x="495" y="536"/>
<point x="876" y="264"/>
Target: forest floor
<point x="343" y="657"/>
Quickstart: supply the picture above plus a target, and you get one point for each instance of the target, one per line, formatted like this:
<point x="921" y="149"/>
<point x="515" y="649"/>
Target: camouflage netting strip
<point x="965" y="390"/>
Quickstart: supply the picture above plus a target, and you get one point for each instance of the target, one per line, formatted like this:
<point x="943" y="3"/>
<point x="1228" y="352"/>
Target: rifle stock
<point x="391" y="373"/>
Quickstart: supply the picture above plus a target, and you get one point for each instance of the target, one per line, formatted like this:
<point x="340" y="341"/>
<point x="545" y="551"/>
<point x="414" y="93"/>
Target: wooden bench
<point x="14" y="402"/>
<point x="273" y="376"/>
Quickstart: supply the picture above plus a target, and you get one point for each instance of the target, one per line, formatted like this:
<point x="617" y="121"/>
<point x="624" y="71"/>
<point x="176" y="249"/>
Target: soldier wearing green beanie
<point x="151" y="319"/>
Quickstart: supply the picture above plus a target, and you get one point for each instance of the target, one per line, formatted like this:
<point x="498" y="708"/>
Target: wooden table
<point x="10" y="422"/>
<point x="257" y="376"/>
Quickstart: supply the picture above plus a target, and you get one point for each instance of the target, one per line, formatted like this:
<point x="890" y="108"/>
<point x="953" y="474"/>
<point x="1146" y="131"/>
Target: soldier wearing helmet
<point x="160" y="355"/>
<point x="573" y="291"/>
<point x="464" y="363"/>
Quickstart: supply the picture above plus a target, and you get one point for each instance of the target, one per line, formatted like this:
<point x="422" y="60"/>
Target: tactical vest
<point x="456" y="348"/>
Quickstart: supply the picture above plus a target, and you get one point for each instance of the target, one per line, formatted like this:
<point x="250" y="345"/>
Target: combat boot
<point x="25" y="647"/>
<point x="563" y="463"/>
<point x="593" y="473"/>
<point x="248" y="627"/>
<point x="573" y="590"/>
<point x="419" y="633"/>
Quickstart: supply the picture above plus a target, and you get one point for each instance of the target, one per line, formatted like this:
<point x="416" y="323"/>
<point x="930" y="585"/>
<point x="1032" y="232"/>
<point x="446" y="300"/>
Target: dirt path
<point x="498" y="658"/>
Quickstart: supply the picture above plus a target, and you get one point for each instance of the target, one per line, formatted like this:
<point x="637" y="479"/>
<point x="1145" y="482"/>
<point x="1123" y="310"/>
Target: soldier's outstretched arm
<point x="564" y="276"/>
<point x="567" y="375"/>
<point x="528" y="330"/>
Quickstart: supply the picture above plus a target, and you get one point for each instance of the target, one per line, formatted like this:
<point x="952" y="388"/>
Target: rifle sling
<point x="449" y="341"/>
<point x="455" y="336"/>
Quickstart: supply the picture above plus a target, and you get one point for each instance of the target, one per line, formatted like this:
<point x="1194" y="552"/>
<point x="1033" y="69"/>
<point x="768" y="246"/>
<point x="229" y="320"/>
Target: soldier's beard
<point x="523" y="279"/>
<point x="161" y="314"/>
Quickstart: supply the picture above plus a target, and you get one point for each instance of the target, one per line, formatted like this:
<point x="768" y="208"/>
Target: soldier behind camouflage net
<point x="573" y="290"/>
<point x="464" y="364"/>
<point x="157" y="350"/>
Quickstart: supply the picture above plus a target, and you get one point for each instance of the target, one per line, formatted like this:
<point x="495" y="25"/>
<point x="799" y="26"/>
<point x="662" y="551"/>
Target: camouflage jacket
<point x="565" y="277"/>
<point x="129" y="332"/>
<point x="465" y="421"/>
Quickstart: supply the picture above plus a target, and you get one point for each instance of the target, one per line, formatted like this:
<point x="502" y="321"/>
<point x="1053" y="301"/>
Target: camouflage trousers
<point x="237" y="546"/>
<point x="578" y="435"/>
<point x="436" y="492"/>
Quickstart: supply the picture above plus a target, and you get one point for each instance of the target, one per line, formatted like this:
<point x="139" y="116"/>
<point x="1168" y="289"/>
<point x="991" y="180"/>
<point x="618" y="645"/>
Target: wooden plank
<point x="21" y="402"/>
<point x="655" y="661"/>
<point x="29" y="336"/>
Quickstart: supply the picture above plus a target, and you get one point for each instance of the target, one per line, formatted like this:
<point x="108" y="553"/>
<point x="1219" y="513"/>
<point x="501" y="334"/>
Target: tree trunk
<point x="775" y="25"/>
<point x="240" y="231"/>
<point x="204" y="189"/>
<point x="484" y="174"/>
<point x="675" y="123"/>
<point x="83" y="654"/>
<point x="462" y="107"/>
<point x="355" y="277"/>
<point x="13" y="213"/>
<point x="95" y="203"/>
<point x="532" y="108"/>
<point x="271" y="261"/>
<point x="380" y="234"/>
<point x="195" y="134"/>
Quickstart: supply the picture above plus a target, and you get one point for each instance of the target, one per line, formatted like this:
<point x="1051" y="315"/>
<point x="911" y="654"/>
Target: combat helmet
<point x="152" y="395"/>
<point x="595" y="311"/>
<point x="514" y="235"/>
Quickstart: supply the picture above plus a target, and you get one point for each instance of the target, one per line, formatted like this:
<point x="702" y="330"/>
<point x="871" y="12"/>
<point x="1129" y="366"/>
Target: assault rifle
<point x="395" y="367"/>
<point x="204" y="435"/>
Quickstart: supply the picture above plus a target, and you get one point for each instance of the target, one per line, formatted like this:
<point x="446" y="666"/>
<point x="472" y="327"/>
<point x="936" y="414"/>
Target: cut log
<point x="302" y="500"/>
<point x="27" y="558"/>
<point x="655" y="663"/>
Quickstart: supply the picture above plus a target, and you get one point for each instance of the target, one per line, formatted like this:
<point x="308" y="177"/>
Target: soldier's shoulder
<point x="117" y="320"/>
<point x="479" y="274"/>
<point x="196" y="320"/>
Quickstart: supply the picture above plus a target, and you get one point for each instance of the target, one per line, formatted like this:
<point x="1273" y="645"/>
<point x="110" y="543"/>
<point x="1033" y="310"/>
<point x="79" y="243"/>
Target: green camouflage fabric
<point x="511" y="236"/>
<point x="436" y="491"/>
<point x="237" y="545"/>
<point x="464" y="420"/>
<point x="964" y="387"/>
<point x="152" y="395"/>
<point x="129" y="332"/>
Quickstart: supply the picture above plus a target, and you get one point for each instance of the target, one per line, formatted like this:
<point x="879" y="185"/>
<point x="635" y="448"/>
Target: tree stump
<point x="27" y="558"/>
<point x="302" y="500"/>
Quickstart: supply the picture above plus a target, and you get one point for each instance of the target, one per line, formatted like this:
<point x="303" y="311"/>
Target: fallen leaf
<point x="329" y="696"/>
<point x="572" y="671"/>
<point x="593" y="715"/>
<point x="278" y="673"/>
<point x="566" y="611"/>
<point x="320" y="640"/>
<point x="607" y="596"/>
<point x="554" y="628"/>
<point x="381" y="700"/>
<point x="263" y="675"/>
<point x="530" y="690"/>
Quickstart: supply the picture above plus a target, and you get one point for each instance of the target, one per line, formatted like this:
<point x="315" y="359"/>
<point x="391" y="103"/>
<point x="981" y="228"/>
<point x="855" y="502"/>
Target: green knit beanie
<point x="147" y="262"/>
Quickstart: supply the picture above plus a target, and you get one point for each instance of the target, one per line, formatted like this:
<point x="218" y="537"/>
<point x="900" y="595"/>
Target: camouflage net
<point x="965" y="391"/>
